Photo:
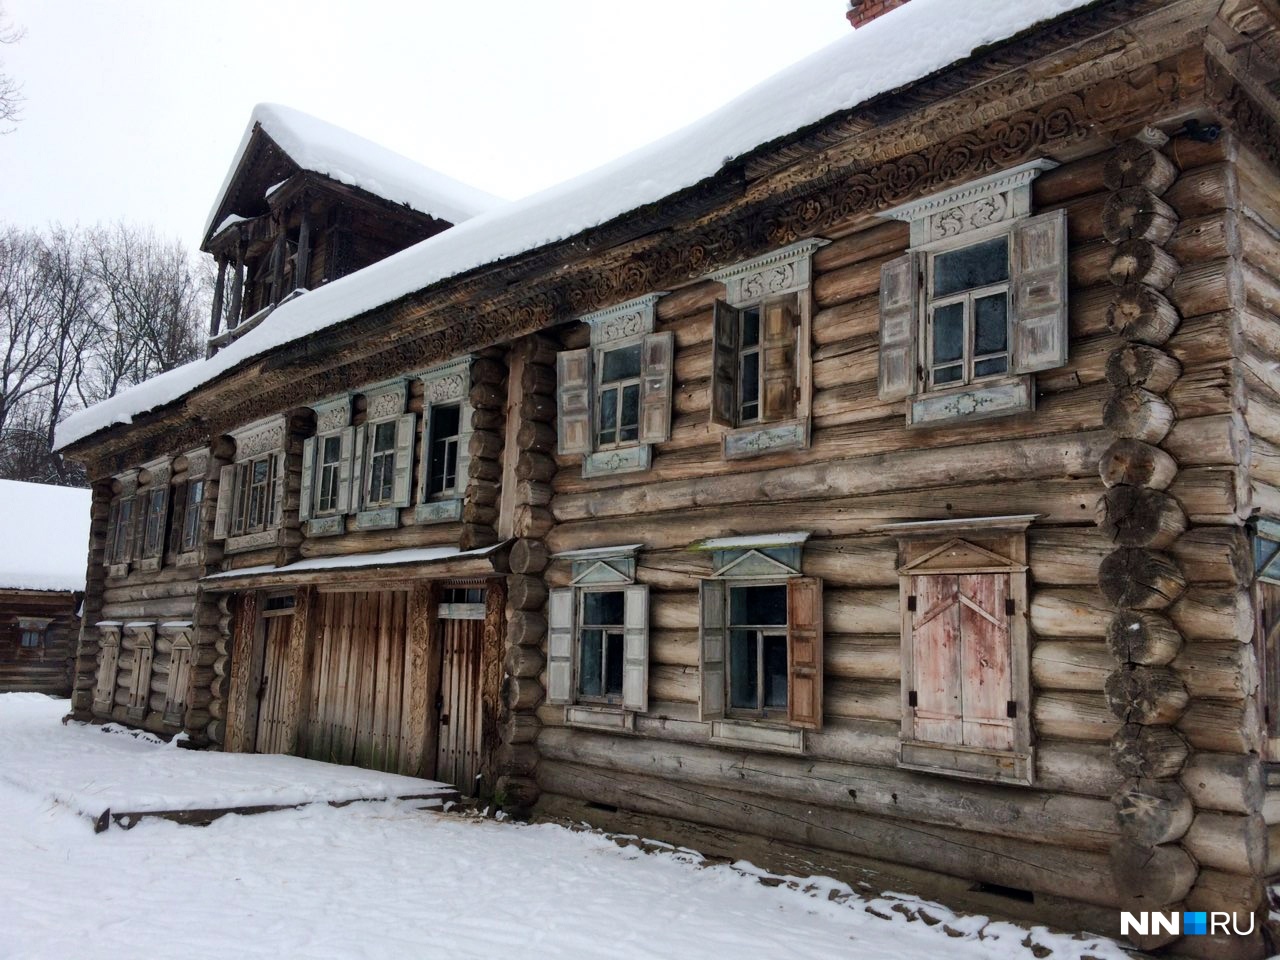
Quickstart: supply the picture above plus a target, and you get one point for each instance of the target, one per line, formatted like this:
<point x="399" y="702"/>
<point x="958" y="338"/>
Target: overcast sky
<point x="134" y="108"/>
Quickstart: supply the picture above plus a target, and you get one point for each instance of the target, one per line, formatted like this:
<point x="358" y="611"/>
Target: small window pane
<point x="758" y="606"/>
<point x="442" y="472"/>
<point x="629" y="428"/>
<point x="608" y="410"/>
<point x="948" y="374"/>
<point x="751" y="326"/>
<point x="602" y="609"/>
<point x="990" y="368"/>
<point x="384" y="436"/>
<point x="589" y="656"/>
<point x="750" y="379"/>
<point x="621" y="364"/>
<point x="775" y="670"/>
<point x="991" y="324"/>
<point x="970" y="267"/>
<point x="613" y="665"/>
<point x="332" y="449"/>
<point x="743" y="670"/>
<point x="948" y="333"/>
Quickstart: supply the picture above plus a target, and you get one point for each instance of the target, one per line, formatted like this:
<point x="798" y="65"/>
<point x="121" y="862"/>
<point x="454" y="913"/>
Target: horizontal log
<point x="1231" y="842"/>
<point x="1222" y="726"/>
<point x="1231" y="784"/>
<point x="1138" y="414"/>
<point x="1070" y="665"/>
<point x="1140" y="517"/>
<point x="1074" y="716"/>
<point x="1134" y="213"/>
<point x="1141" y="314"/>
<point x="1143" y="637"/>
<point x="1152" y="877"/>
<point x="1205" y="288"/>
<point x="1141" y="261"/>
<point x="1141" y="579"/>
<point x="1203" y="190"/>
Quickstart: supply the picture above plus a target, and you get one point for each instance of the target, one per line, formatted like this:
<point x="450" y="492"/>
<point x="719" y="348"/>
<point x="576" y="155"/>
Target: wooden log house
<point x="898" y="493"/>
<point x="44" y="530"/>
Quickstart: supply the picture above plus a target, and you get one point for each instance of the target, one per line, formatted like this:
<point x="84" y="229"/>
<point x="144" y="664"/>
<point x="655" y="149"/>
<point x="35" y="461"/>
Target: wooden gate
<point x="461" y="737"/>
<point x="359" y="687"/>
<point x="272" y="727"/>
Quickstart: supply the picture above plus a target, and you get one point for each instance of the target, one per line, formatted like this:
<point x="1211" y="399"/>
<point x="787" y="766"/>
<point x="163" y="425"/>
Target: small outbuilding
<point x="43" y="530"/>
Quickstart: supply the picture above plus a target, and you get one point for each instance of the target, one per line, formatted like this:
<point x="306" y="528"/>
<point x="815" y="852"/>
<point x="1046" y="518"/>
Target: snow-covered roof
<point x="752" y="541"/>
<point x="320" y="147"/>
<point x="385" y="558"/>
<point x="897" y="49"/>
<point x="45" y="532"/>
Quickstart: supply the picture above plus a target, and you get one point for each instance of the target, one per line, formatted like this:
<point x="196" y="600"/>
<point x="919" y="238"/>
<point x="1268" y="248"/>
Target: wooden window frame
<point x="189" y="536"/>
<point x="33" y="626"/>
<point x="580" y="602"/>
<point x="966" y="297"/>
<point x="374" y="459"/>
<point x="447" y="491"/>
<point x="600" y="388"/>
<point x="445" y="385"/>
<point x="323" y="469"/>
<point x="775" y="715"/>
<point x="242" y="524"/>
<point x="989" y="545"/>
<point x="1266" y="581"/>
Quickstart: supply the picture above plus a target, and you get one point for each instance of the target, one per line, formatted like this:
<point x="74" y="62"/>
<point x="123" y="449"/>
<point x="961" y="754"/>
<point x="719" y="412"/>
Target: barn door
<point x="277" y="623"/>
<point x="458" y="756"/>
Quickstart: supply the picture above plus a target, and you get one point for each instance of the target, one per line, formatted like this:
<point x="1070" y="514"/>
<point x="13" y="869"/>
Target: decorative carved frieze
<point x="622" y="321"/>
<point x="448" y="382"/>
<point x="197" y="463"/>
<point x="772" y="274"/>
<point x="385" y="400"/>
<point x="258" y="438"/>
<point x="332" y="415"/>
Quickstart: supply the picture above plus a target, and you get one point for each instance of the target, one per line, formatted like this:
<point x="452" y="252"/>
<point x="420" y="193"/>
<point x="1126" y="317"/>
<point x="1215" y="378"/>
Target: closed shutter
<point x="778" y="389"/>
<point x="724" y="365"/>
<point x="137" y="515"/>
<point x="1039" y="284"/>
<point x="175" y="698"/>
<point x="308" y="476"/>
<point x="105" y="688"/>
<point x="277" y="484"/>
<point x="935" y="660"/>
<point x="804" y="644"/>
<point x="177" y="515"/>
<point x="226" y="493"/>
<point x="655" y="387"/>
<point x="140" y="679"/>
<point x="345" y="453"/>
<point x="712" y="643"/>
<point x="401" y="485"/>
<point x="359" y="484"/>
<point x="573" y="407"/>
<point x="985" y="666"/>
<point x="154" y="546"/>
<point x="635" y="649"/>
<point x="560" y="611"/>
<point x="899" y="327"/>
<point x="109" y="542"/>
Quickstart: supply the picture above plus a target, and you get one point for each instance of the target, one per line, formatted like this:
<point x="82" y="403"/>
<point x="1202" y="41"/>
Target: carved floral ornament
<point x="385" y="401"/>
<point x="197" y="462"/>
<point x="447" y="382"/>
<point x="259" y="438"/>
<point x="332" y="415"/>
<point x="777" y="272"/>
<point x="624" y="320"/>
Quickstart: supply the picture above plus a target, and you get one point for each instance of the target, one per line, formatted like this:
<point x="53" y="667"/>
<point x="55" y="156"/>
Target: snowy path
<point x="387" y="880"/>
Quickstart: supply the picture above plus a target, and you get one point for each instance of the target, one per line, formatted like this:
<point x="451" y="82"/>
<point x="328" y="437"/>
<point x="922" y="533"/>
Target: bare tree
<point x="24" y="330"/>
<point x="10" y="89"/>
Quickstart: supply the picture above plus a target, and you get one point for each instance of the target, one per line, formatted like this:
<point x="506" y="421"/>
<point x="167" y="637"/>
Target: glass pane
<point x="990" y="368"/>
<point x="260" y="471"/>
<point x="589" y="657"/>
<point x="978" y="266"/>
<point x="750" y="327"/>
<point x="620" y="364"/>
<point x="602" y="609"/>
<point x="758" y="606"/>
<point x="948" y="333"/>
<point x="775" y="670"/>
<point x="743" y="672"/>
<point x="384" y="436"/>
<point x="445" y="421"/>
<point x="613" y="665"/>
<point x="332" y="449"/>
<point x="948" y="374"/>
<point x="629" y="428"/>
<point x="608" y="410"/>
<point x="750" y="385"/>
<point x="991" y="324"/>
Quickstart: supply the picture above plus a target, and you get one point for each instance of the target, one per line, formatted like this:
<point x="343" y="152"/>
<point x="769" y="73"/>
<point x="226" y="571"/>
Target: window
<point x="120" y="526"/>
<point x="255" y="502"/>
<point x="977" y="305"/>
<point x="614" y="397"/>
<point x="325" y="496"/>
<point x="760" y="352"/>
<point x="157" y="501"/>
<point x="251" y="491"/>
<point x="442" y="467"/>
<point x="384" y="457"/>
<point x="758" y="649"/>
<point x="330" y="458"/>
<point x="187" y="496"/>
<point x="965" y="668"/>
<point x="382" y="464"/>
<point x="31" y="632"/>
<point x="190" y="529"/>
<point x="598" y="629"/>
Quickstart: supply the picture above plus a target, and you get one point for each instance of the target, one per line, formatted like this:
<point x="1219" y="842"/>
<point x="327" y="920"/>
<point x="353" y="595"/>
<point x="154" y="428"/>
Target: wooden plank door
<point x="272" y="725"/>
<point x="458" y="752"/>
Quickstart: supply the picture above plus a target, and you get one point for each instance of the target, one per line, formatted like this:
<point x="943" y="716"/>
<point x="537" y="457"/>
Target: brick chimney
<point x="864" y="11"/>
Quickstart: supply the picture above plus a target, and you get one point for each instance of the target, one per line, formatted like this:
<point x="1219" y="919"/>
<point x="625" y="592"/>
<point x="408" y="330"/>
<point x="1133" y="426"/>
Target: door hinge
<point x="911" y="603"/>
<point x="1008" y="606"/>
<point x="911" y="698"/>
<point x="1011" y="708"/>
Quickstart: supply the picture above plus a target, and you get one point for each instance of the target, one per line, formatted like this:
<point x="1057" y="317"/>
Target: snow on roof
<point x="320" y="147"/>
<point x="385" y="558"/>
<point x="751" y="540"/>
<point x="897" y="49"/>
<point x="45" y="531"/>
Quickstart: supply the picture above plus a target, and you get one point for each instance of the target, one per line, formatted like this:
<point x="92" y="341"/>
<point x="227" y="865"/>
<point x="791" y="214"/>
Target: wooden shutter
<point x="359" y="485"/>
<point x="401" y="486"/>
<point x="780" y="325"/>
<point x="277" y="484"/>
<point x="713" y="642"/>
<point x="1039" y="287"/>
<point x="132" y="530"/>
<point x="935" y="660"/>
<point x="345" y="452"/>
<point x="573" y="407"/>
<point x="560" y="616"/>
<point x="985" y="667"/>
<point x="308" y="476"/>
<point x="635" y="649"/>
<point x="226" y="495"/>
<point x="177" y="515"/>
<point x="140" y="678"/>
<point x="899" y="327"/>
<point x="175" y="697"/>
<point x="724" y="365"/>
<point x="109" y="542"/>
<point x="104" y="690"/>
<point x="804" y="646"/>
<point x="658" y="354"/>
<point x="464" y="449"/>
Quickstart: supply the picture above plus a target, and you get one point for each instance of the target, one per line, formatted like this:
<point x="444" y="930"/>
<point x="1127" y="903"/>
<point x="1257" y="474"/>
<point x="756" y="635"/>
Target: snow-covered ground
<point x="388" y="879"/>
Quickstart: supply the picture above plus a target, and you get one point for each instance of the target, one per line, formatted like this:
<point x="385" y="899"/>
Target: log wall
<point x="48" y="668"/>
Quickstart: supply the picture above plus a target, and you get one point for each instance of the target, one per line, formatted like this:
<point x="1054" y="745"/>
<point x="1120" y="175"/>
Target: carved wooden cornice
<point x="499" y="303"/>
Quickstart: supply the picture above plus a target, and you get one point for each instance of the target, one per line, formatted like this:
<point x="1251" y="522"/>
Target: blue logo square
<point x="1195" y="922"/>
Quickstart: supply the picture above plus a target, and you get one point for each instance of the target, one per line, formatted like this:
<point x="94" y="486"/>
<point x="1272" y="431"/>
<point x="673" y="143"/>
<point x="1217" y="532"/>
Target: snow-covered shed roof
<point x="320" y="147"/>
<point x="45" y="532"/>
<point x="897" y="49"/>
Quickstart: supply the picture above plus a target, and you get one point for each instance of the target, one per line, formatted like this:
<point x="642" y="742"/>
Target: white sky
<point x="135" y="107"/>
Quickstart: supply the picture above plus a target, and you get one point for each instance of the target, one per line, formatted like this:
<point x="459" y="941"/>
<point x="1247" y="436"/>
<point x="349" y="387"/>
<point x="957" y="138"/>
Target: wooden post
<point x="219" y="287"/>
<point x="303" y="262"/>
<point x="277" y="267"/>
<point x="296" y="667"/>
<point x="420" y="726"/>
<point x="237" y="291"/>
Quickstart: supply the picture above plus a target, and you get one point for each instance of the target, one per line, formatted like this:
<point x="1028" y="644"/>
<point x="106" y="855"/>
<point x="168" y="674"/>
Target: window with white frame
<point x="187" y="497"/>
<point x="598" y="638"/>
<point x="615" y="395"/>
<point x="977" y="305"/>
<point x="384" y="456"/>
<point x="326" y="469"/>
<point x="761" y="354"/>
<point x="250" y="507"/>
<point x="760" y="642"/>
<point x="446" y="438"/>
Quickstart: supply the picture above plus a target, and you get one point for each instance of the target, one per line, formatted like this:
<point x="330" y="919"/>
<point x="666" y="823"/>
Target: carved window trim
<point x="122" y="519"/>
<point x="185" y="513"/>
<point x="143" y="635"/>
<point x="333" y="421"/>
<point x="262" y="440"/>
<point x="154" y="506"/>
<point x="445" y="385"/>
<point x="385" y="403"/>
